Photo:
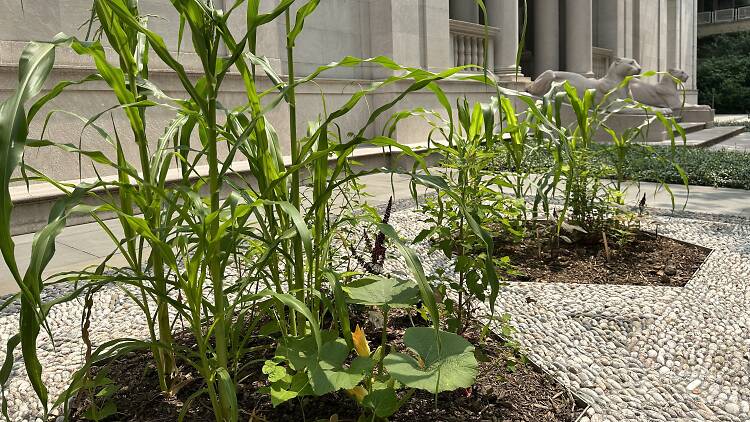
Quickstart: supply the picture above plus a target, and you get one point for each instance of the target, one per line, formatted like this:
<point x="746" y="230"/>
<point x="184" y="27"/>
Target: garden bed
<point x="644" y="259"/>
<point x="508" y="388"/>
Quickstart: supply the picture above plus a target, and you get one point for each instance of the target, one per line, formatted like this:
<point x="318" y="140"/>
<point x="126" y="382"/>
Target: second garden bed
<point x="643" y="259"/>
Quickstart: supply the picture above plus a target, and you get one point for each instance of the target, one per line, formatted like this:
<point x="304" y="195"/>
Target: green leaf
<point x="6" y="368"/>
<point x="289" y="388"/>
<point x="415" y="266"/>
<point x="447" y="361"/>
<point x="280" y="395"/>
<point x="378" y="291"/>
<point x="225" y="385"/>
<point x="383" y="402"/>
<point x="325" y="368"/>
<point x="274" y="371"/>
<point x="299" y="21"/>
<point x="97" y="414"/>
<point x="327" y="374"/>
<point x="33" y="69"/>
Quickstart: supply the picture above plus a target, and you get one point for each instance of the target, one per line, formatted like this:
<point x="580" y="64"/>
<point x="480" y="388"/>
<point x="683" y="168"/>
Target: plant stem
<point x="299" y="275"/>
<point x="383" y="338"/>
<point x="214" y="248"/>
<point x="165" y="360"/>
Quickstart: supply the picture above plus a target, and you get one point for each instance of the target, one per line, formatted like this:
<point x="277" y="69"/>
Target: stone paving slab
<point x="704" y="137"/>
<point x="738" y="143"/>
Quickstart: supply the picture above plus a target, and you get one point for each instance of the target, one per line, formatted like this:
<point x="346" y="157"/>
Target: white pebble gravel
<point x="643" y="353"/>
<point x="634" y="353"/>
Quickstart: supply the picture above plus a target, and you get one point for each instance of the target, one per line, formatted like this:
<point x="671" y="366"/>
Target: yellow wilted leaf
<point x="358" y="393"/>
<point x="360" y="342"/>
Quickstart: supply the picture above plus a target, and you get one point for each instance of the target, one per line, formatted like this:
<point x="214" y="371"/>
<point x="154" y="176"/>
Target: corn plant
<point x="579" y="167"/>
<point x="181" y="236"/>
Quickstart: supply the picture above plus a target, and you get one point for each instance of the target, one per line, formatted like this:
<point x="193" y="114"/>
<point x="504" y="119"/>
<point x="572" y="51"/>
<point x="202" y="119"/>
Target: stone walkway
<point x="87" y="244"/>
<point x="737" y="143"/>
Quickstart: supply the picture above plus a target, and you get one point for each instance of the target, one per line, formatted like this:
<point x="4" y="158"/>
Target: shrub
<point x="723" y="78"/>
<point x="703" y="167"/>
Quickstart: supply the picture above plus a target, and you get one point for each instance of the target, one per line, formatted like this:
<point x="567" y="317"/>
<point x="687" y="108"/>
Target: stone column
<point x="546" y="35"/>
<point x="436" y="35"/>
<point x="464" y="10"/>
<point x="395" y="32"/>
<point x="578" y="37"/>
<point x="503" y="14"/>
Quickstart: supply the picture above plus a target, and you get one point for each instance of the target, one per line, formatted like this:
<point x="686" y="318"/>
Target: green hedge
<point x="727" y="169"/>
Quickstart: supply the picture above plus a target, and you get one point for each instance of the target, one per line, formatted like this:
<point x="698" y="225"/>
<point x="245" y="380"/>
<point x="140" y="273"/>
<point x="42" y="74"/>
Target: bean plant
<point x="468" y="210"/>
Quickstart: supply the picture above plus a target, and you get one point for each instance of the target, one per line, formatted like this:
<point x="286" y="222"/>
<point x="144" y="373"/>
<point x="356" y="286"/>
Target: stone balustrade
<point x="705" y="17"/>
<point x="601" y="60"/>
<point x="724" y="15"/>
<point x="468" y="44"/>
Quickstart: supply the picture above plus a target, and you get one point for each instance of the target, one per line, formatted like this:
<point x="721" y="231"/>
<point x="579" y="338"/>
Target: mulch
<point x="508" y="388"/>
<point x="641" y="258"/>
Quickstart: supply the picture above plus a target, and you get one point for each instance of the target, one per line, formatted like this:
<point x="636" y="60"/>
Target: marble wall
<point x="658" y="33"/>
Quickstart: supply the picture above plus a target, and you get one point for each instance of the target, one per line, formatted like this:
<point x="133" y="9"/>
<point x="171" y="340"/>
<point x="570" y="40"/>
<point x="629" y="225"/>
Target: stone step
<point x="738" y="143"/>
<point x="706" y="137"/>
<point x="693" y="127"/>
<point x="32" y="205"/>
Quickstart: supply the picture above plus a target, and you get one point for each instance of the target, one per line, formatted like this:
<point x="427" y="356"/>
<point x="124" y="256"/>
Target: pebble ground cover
<point x="634" y="353"/>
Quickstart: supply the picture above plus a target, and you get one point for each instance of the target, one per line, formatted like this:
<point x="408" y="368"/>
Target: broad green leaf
<point x="384" y="402"/>
<point x="446" y="362"/>
<point x="325" y="367"/>
<point x="280" y="395"/>
<point x="379" y="291"/>
<point x="274" y="371"/>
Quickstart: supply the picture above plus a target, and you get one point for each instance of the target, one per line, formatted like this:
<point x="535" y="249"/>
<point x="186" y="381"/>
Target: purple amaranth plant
<point x="378" y="249"/>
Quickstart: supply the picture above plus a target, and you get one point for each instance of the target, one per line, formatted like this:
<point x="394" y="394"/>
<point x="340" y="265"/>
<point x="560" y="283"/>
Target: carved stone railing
<point x="743" y="12"/>
<point x="601" y="60"/>
<point x="705" y="17"/>
<point x="724" y="15"/>
<point x="467" y="44"/>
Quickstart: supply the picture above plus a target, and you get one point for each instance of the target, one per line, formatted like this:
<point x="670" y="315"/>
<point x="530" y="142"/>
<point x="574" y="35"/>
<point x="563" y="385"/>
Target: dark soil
<point x="643" y="259"/>
<point x="508" y="388"/>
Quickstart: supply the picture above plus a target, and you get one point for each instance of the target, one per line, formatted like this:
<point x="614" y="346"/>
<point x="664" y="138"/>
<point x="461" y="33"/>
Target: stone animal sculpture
<point x="618" y="71"/>
<point x="666" y="93"/>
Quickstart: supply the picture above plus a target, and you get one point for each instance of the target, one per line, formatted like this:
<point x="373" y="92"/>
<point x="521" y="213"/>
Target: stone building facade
<point x="583" y="36"/>
<point x="577" y="35"/>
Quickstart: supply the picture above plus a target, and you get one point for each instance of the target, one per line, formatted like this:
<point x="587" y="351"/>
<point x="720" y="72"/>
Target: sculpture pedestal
<point x="653" y="131"/>
<point x="694" y="113"/>
<point x="619" y="122"/>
